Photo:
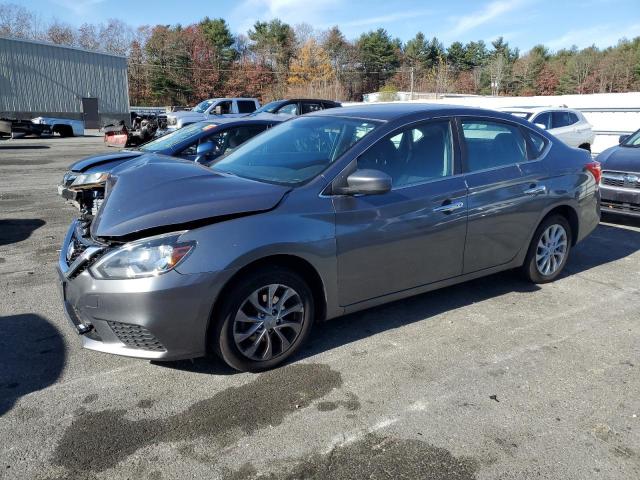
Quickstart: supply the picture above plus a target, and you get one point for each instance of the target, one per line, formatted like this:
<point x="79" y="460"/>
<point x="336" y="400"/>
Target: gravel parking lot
<point x="494" y="378"/>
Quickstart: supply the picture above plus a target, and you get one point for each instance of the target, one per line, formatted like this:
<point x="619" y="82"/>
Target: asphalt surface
<point x="491" y="379"/>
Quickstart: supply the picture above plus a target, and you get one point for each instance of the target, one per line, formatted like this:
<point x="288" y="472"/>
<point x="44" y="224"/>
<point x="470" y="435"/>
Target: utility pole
<point x="411" y="83"/>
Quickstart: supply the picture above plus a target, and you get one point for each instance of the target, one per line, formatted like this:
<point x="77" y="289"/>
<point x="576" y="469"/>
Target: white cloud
<point x="245" y="14"/>
<point x="383" y="19"/>
<point x="490" y="12"/>
<point x="601" y="36"/>
<point x="78" y="7"/>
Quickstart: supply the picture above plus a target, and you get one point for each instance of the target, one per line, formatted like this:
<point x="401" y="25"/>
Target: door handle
<point x="449" y="207"/>
<point x="536" y="190"/>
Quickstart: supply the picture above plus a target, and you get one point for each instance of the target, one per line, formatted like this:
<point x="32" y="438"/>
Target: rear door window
<point x="561" y="119"/>
<point x="246" y="106"/>
<point x="308" y="107"/>
<point x="492" y="144"/>
<point x="537" y="144"/>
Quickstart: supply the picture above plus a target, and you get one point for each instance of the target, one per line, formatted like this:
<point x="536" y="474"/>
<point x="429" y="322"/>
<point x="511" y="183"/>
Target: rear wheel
<point x="549" y="250"/>
<point x="265" y="318"/>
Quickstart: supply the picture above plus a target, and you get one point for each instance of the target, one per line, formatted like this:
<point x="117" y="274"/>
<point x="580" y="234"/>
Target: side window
<point x="543" y="119"/>
<point x="328" y="105"/>
<point x="227" y="141"/>
<point x="225" y="107"/>
<point x="492" y="144"/>
<point x="246" y="106"/>
<point x="414" y="155"/>
<point x="310" y="107"/>
<point x="290" y="109"/>
<point x="537" y="144"/>
<point x="573" y="118"/>
<point x="561" y="119"/>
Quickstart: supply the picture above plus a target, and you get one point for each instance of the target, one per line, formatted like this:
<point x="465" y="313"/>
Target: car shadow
<point x="17" y="230"/>
<point x="606" y="244"/>
<point x="24" y="147"/>
<point x="32" y="356"/>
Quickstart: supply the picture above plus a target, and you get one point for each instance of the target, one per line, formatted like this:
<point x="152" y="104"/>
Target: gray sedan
<point x="325" y="214"/>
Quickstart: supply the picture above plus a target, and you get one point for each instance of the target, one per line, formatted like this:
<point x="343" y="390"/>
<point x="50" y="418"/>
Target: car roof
<point x="240" y="120"/>
<point x="536" y="109"/>
<point x="392" y="111"/>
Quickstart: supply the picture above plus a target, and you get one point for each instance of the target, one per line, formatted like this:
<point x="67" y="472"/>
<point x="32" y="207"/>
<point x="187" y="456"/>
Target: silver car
<point x="325" y="214"/>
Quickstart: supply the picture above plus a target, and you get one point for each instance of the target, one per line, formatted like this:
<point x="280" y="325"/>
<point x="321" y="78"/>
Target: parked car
<point x="83" y="183"/>
<point x="566" y="124"/>
<point x="41" y="125"/>
<point x="294" y="106"/>
<point x="212" y="109"/>
<point x="325" y="214"/>
<point x="620" y="184"/>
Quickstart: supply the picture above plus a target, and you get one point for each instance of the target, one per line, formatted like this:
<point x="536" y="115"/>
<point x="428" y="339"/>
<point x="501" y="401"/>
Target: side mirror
<point x="217" y="109"/>
<point x="367" y="182"/>
<point x="622" y="139"/>
<point x="541" y="125"/>
<point x="203" y="150"/>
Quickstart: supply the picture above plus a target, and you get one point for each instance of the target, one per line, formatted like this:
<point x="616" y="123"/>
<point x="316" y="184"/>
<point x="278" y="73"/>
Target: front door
<point x="90" y="113"/>
<point x="414" y="234"/>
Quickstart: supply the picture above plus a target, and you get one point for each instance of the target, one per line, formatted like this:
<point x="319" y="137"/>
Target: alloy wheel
<point x="268" y="322"/>
<point x="551" y="249"/>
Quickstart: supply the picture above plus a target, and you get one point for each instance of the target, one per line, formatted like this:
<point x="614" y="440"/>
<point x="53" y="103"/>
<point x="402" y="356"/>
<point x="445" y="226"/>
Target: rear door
<point x="506" y="191"/>
<point x="563" y="128"/>
<point x="414" y="234"/>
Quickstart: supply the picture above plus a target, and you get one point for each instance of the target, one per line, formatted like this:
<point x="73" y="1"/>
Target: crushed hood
<point x="621" y="159"/>
<point x="156" y="192"/>
<point x="97" y="160"/>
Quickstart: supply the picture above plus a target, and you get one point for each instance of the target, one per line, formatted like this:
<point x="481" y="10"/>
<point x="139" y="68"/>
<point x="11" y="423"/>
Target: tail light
<point x="595" y="169"/>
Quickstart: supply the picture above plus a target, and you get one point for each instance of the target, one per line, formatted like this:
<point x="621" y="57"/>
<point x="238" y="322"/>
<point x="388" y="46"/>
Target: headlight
<point x="69" y="178"/>
<point x="143" y="258"/>
<point x="89" y="180"/>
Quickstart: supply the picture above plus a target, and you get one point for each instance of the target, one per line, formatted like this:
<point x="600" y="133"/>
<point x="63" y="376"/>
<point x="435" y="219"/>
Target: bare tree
<point x="16" y="21"/>
<point x="60" y="33"/>
<point x="496" y="73"/>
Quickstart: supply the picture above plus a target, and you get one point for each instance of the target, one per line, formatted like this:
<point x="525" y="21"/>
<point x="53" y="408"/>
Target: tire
<point x="535" y="269"/>
<point x="240" y="328"/>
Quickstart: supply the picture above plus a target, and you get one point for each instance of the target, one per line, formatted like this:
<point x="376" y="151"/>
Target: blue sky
<point x="524" y="23"/>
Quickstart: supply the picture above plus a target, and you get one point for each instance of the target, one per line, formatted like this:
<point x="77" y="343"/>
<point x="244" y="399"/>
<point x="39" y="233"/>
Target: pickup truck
<point x="212" y="109"/>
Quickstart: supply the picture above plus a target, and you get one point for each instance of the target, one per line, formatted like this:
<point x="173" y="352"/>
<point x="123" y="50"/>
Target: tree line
<point x="181" y="65"/>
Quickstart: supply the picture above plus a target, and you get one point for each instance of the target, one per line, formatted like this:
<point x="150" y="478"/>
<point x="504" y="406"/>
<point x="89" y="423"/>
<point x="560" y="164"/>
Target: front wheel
<point x="265" y="319"/>
<point x="549" y="250"/>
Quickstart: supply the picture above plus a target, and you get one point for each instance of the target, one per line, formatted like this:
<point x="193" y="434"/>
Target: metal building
<point x="42" y="79"/>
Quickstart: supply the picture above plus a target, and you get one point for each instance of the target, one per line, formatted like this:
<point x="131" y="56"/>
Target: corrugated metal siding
<point x="36" y="77"/>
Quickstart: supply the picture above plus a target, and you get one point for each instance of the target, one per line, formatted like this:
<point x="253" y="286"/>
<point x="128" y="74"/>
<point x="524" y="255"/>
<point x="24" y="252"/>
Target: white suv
<point x="568" y="125"/>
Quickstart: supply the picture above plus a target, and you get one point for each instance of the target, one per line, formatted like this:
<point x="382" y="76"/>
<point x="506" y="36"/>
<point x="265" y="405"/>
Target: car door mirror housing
<point x="622" y="139"/>
<point x="541" y="125"/>
<point x="203" y="150"/>
<point x="367" y="182"/>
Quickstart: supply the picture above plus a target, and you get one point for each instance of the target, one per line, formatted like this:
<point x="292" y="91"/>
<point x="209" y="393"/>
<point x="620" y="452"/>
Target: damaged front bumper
<point x="159" y="318"/>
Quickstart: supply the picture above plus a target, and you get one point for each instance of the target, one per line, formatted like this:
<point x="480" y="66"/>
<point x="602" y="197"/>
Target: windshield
<point x="525" y="115"/>
<point x="295" y="151"/>
<point x="268" y="108"/>
<point x="174" y="138"/>
<point x="633" y="140"/>
<point x="202" y="106"/>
